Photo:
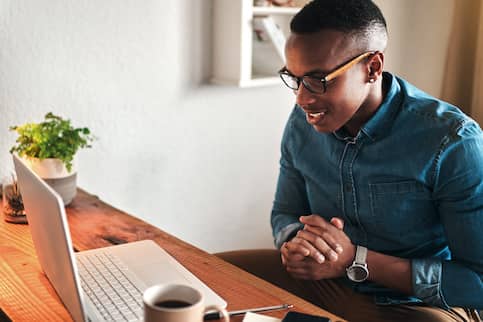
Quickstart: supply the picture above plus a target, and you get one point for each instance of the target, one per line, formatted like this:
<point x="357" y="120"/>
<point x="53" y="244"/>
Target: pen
<point x="217" y="315"/>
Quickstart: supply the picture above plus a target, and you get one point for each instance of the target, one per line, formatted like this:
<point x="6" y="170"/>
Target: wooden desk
<point x="26" y="295"/>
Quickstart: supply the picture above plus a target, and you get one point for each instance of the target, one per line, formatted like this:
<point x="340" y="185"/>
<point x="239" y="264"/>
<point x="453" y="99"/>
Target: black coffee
<point x="172" y="304"/>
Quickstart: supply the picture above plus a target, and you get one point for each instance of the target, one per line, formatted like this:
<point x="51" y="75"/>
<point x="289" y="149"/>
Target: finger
<point x="297" y="245"/>
<point x="320" y="244"/>
<point x="300" y="265"/>
<point x="297" y="251"/>
<point x="282" y="256"/>
<point x="305" y="271"/>
<point x="284" y="252"/>
<point x="311" y="250"/>
<point x="327" y="237"/>
<point x="313" y="220"/>
<point x="289" y="253"/>
<point x="337" y="222"/>
<point x="296" y="257"/>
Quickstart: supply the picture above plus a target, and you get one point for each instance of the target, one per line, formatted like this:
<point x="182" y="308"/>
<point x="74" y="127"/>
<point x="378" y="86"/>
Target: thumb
<point x="337" y="222"/>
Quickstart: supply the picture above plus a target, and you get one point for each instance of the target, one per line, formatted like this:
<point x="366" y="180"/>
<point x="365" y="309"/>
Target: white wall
<point x="419" y="32"/>
<point x="199" y="161"/>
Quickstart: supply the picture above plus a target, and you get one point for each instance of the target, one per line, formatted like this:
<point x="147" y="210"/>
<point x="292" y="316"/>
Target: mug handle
<point x="219" y="312"/>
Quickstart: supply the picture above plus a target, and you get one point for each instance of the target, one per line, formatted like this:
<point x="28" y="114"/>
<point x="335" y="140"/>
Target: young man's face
<point x="318" y="54"/>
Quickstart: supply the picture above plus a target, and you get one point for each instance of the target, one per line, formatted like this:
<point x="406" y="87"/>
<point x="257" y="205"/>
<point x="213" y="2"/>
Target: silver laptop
<point x="104" y="284"/>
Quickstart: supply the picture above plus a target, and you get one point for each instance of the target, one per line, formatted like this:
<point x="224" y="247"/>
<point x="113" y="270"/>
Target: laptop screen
<point x="51" y="237"/>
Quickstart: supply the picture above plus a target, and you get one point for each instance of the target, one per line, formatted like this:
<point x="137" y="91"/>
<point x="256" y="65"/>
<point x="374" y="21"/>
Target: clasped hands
<point x="320" y="250"/>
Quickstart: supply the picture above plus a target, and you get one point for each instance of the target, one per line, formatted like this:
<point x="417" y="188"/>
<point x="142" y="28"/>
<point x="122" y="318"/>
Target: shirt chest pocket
<point x="401" y="209"/>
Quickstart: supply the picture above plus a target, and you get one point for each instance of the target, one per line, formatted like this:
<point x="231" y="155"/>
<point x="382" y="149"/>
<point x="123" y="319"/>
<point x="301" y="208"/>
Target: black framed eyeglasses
<point x="317" y="84"/>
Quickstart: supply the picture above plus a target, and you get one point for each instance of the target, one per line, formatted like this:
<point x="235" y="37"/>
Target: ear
<point x="375" y="66"/>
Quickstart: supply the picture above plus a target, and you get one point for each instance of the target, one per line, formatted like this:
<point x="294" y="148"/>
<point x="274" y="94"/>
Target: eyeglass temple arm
<point x="345" y="67"/>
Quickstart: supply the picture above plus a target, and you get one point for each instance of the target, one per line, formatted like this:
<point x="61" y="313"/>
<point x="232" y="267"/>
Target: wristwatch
<point x="358" y="271"/>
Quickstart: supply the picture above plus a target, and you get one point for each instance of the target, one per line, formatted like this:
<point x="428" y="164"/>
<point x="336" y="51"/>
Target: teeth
<point x="317" y="114"/>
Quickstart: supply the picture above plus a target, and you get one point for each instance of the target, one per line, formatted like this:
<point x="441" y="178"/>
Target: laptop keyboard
<point x="105" y="283"/>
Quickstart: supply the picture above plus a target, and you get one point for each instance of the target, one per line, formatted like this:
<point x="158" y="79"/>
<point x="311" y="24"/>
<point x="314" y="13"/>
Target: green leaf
<point x="55" y="137"/>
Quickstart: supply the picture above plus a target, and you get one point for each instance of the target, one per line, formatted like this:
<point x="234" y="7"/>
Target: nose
<point x="303" y="96"/>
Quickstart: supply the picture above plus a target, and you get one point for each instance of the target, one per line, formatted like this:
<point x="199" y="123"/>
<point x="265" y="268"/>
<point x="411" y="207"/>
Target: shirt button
<point x="348" y="187"/>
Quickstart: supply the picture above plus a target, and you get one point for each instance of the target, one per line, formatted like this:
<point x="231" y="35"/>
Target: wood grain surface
<point x="26" y="295"/>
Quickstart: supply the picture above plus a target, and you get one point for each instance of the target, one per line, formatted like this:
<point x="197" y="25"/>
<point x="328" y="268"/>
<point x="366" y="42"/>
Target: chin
<point x="323" y="129"/>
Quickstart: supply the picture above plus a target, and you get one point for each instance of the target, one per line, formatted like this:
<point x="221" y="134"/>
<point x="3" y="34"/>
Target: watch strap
<point x="361" y="255"/>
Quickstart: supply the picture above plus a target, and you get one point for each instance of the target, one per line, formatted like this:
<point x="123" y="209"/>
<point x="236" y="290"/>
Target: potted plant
<point x="49" y="147"/>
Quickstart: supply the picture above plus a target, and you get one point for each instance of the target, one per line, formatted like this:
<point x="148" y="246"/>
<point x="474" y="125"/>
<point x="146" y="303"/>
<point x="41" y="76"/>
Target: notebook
<point x="104" y="284"/>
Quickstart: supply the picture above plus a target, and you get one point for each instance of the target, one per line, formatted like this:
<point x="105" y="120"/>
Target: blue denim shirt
<point x="410" y="184"/>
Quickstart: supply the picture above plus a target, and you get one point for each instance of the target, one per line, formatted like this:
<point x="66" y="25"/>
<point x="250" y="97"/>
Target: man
<point x="378" y="212"/>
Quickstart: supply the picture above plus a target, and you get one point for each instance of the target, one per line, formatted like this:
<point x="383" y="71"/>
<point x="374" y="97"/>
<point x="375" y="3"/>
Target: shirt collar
<point x="381" y="122"/>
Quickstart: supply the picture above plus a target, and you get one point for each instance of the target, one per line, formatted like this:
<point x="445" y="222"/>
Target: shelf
<point x="247" y="83"/>
<point x="236" y="56"/>
<point x="263" y="11"/>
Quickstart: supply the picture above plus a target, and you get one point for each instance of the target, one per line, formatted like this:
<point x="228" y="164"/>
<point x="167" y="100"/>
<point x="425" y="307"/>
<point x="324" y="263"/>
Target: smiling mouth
<point x="316" y="114"/>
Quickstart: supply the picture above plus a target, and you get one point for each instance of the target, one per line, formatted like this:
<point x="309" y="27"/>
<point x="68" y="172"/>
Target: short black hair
<point x="347" y="16"/>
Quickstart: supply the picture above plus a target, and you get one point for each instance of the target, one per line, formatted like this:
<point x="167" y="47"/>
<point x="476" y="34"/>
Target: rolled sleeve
<point x="286" y="233"/>
<point x="426" y="279"/>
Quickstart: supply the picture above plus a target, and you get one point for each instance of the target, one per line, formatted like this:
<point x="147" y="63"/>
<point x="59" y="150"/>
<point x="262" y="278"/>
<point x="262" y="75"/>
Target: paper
<point x="254" y="317"/>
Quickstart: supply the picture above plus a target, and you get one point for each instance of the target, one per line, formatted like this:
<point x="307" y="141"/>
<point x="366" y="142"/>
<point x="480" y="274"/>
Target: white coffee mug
<point x="176" y="303"/>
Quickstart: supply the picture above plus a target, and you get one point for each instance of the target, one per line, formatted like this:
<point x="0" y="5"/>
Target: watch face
<point x="357" y="273"/>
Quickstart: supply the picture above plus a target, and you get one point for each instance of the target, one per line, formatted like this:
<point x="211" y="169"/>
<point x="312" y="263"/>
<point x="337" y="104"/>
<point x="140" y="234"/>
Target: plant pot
<point x="54" y="172"/>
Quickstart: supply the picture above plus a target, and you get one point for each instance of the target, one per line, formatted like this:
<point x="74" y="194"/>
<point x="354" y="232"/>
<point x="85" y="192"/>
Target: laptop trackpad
<point x="157" y="272"/>
<point x="153" y="265"/>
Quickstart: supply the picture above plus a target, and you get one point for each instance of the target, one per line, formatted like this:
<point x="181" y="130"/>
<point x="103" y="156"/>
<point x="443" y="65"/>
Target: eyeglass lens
<point x="315" y="85"/>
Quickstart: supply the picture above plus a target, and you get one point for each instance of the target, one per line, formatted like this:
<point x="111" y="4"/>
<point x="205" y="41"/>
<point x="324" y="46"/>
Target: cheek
<point x="349" y="95"/>
<point x="345" y="100"/>
<point x="344" y="104"/>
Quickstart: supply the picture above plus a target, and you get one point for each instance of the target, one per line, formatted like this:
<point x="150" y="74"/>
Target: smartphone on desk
<point x="293" y="316"/>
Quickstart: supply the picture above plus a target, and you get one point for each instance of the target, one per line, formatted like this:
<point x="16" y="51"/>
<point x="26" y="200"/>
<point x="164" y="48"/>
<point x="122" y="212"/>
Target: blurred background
<point x="198" y="160"/>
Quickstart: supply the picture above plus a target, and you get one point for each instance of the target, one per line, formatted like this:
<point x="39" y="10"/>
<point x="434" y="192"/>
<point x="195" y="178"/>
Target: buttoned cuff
<point x="426" y="281"/>
<point x="286" y="232"/>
